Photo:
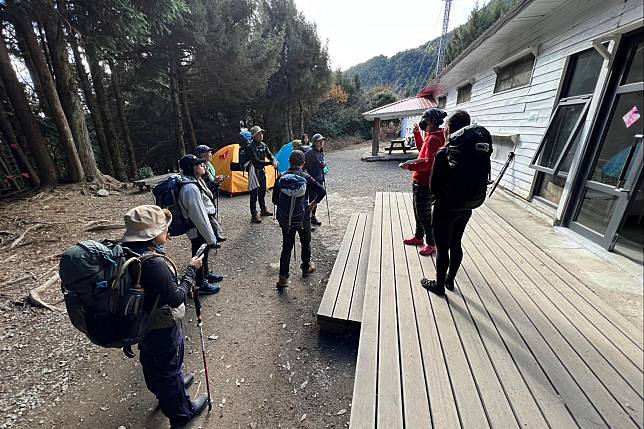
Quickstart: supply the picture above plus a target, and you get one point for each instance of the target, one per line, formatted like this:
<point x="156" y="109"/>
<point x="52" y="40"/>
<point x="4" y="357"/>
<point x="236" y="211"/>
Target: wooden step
<point x="341" y="305"/>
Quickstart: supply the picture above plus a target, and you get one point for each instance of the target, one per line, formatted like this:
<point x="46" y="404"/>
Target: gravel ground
<point x="269" y="364"/>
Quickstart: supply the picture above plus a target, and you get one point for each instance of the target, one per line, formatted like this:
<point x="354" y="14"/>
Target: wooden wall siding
<point x="526" y="111"/>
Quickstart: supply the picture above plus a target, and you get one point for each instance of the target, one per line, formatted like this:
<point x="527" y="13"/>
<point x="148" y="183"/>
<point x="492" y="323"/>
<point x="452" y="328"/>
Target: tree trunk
<point x="113" y="143"/>
<point x="69" y="97"/>
<point x="35" y="81"/>
<point x="25" y="28"/>
<point x="176" y="108"/>
<point x="120" y="108"/>
<point x="94" y="111"/>
<point x="185" y="108"/>
<point x="31" y="128"/>
<point x="9" y="134"/>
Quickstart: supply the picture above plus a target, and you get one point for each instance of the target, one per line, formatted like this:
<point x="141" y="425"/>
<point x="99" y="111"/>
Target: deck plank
<point x="438" y="384"/>
<point x="363" y="410"/>
<point x="357" y="302"/>
<point x="389" y="411"/>
<point x="416" y="409"/>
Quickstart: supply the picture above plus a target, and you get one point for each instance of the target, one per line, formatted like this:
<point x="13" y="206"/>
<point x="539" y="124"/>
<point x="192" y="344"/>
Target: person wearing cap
<point x="421" y="169"/>
<point x="314" y="165"/>
<point x="212" y="181"/>
<point x="259" y="151"/>
<point x="161" y="349"/>
<point x="297" y="161"/>
<point x="196" y="203"/>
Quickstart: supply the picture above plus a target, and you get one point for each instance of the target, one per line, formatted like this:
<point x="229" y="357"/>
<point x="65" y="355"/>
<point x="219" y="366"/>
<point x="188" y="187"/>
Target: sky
<point x="357" y="30"/>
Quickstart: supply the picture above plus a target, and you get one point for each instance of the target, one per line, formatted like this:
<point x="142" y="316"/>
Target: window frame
<point x="585" y="100"/>
<point x="442" y="98"/>
<point x="458" y="90"/>
<point x="499" y="68"/>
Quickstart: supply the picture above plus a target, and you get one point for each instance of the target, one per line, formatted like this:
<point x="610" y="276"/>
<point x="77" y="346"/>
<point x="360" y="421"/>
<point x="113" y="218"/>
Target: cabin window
<point x="515" y="74"/>
<point x="464" y="94"/>
<point x="442" y="102"/>
<point x="554" y="155"/>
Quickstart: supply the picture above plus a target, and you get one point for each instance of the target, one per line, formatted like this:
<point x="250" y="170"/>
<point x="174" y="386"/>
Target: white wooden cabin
<point x="569" y="70"/>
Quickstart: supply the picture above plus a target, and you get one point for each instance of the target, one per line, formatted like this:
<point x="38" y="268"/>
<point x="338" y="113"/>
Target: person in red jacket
<point x="421" y="169"/>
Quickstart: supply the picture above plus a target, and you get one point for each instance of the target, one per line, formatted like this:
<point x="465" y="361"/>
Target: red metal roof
<point x="411" y="106"/>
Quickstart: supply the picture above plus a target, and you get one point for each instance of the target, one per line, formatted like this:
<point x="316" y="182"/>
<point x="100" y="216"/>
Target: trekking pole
<point x="274" y="182"/>
<point x="195" y="295"/>
<point x="326" y="198"/>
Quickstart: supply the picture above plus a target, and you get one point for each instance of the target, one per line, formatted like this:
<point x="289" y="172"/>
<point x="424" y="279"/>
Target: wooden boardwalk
<point x="519" y="343"/>
<point x="341" y="305"/>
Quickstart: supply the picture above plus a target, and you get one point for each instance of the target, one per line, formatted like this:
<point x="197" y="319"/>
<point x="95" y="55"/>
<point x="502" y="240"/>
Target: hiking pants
<point x="161" y="356"/>
<point x="423" y="213"/>
<point x="195" y="243"/>
<point x="449" y="227"/>
<point x="258" y="194"/>
<point x="313" y="196"/>
<point x="288" y="241"/>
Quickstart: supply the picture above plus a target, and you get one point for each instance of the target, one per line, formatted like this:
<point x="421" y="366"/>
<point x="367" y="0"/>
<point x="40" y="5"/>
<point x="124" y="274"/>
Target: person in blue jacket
<point x="314" y="165"/>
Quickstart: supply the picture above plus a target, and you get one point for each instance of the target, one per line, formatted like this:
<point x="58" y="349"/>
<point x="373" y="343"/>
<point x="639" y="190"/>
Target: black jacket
<point x="258" y="153"/>
<point x="313" y="187"/>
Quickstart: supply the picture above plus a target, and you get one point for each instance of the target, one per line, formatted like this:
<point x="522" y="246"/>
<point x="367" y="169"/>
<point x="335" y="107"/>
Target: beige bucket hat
<point x="144" y="223"/>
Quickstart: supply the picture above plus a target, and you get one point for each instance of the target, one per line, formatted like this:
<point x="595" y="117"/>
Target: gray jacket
<point x="196" y="204"/>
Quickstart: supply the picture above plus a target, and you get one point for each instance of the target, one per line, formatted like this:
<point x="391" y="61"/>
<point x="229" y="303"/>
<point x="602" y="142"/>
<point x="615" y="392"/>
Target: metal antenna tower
<point x="443" y="42"/>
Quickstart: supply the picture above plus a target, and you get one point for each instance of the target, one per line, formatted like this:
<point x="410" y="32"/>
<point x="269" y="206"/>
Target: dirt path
<point x="269" y="364"/>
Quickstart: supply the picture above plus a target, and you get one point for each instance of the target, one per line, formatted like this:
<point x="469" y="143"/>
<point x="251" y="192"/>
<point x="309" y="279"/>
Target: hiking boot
<point x="255" y="218"/>
<point x="413" y="241"/>
<point x="309" y="270"/>
<point x="315" y="221"/>
<point x="221" y="239"/>
<point x="427" y="250"/>
<point x="265" y="212"/>
<point x="198" y="405"/>
<point x="433" y="286"/>
<point x="188" y="380"/>
<point x="206" y="288"/>
<point x="214" y="277"/>
<point x="449" y="285"/>
<point x="282" y="282"/>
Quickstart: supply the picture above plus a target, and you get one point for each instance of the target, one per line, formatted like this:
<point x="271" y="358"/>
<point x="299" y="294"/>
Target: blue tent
<point x="282" y="157"/>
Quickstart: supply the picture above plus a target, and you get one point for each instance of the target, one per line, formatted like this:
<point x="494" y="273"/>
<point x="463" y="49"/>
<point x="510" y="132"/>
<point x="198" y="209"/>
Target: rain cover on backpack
<point x="103" y="294"/>
<point x="292" y="200"/>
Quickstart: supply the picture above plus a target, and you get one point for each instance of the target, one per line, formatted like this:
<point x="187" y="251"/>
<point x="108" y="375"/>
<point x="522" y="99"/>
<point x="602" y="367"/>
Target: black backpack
<point x="166" y="196"/>
<point x="291" y="206"/>
<point x="468" y="154"/>
<point x="101" y="284"/>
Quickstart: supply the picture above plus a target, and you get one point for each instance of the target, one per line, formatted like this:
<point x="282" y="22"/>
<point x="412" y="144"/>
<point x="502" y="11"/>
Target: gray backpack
<point x="101" y="284"/>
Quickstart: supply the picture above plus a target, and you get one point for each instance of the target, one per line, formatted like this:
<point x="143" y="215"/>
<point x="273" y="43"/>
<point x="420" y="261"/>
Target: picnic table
<point x="398" y="144"/>
<point x="150" y="182"/>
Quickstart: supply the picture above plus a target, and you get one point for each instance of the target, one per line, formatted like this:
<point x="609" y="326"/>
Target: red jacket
<point x="422" y="167"/>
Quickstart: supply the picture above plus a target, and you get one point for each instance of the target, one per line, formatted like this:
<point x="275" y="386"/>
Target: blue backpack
<point x="291" y="206"/>
<point x="166" y="196"/>
<point x="245" y="156"/>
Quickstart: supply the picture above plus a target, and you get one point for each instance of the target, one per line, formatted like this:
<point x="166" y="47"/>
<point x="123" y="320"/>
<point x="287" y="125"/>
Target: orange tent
<point x="237" y="181"/>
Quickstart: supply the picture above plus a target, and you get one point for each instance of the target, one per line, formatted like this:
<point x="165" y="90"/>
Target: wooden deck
<point x="519" y="343"/>
<point x="341" y="305"/>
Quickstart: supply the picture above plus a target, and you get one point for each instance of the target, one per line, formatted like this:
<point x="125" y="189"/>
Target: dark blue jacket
<point x="314" y="164"/>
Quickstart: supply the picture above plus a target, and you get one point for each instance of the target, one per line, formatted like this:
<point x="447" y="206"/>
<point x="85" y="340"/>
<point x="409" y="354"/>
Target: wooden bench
<point x="341" y="305"/>
<point x="398" y="144"/>
<point x="151" y="182"/>
<point x="520" y="342"/>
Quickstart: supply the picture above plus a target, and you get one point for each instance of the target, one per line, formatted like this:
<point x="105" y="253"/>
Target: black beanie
<point x="296" y="159"/>
<point x="435" y="116"/>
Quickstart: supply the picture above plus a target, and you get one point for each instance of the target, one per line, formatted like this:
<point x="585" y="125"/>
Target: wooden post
<point x="375" y="139"/>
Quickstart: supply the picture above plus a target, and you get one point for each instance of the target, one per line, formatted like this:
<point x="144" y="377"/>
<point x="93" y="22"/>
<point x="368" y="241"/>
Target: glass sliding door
<point x="607" y="205"/>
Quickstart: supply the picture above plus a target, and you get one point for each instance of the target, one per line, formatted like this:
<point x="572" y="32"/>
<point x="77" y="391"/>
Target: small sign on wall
<point x="631" y="117"/>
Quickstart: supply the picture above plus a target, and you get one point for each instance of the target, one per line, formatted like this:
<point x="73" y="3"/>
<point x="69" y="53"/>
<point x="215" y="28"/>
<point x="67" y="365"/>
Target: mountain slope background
<point x="408" y="71"/>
